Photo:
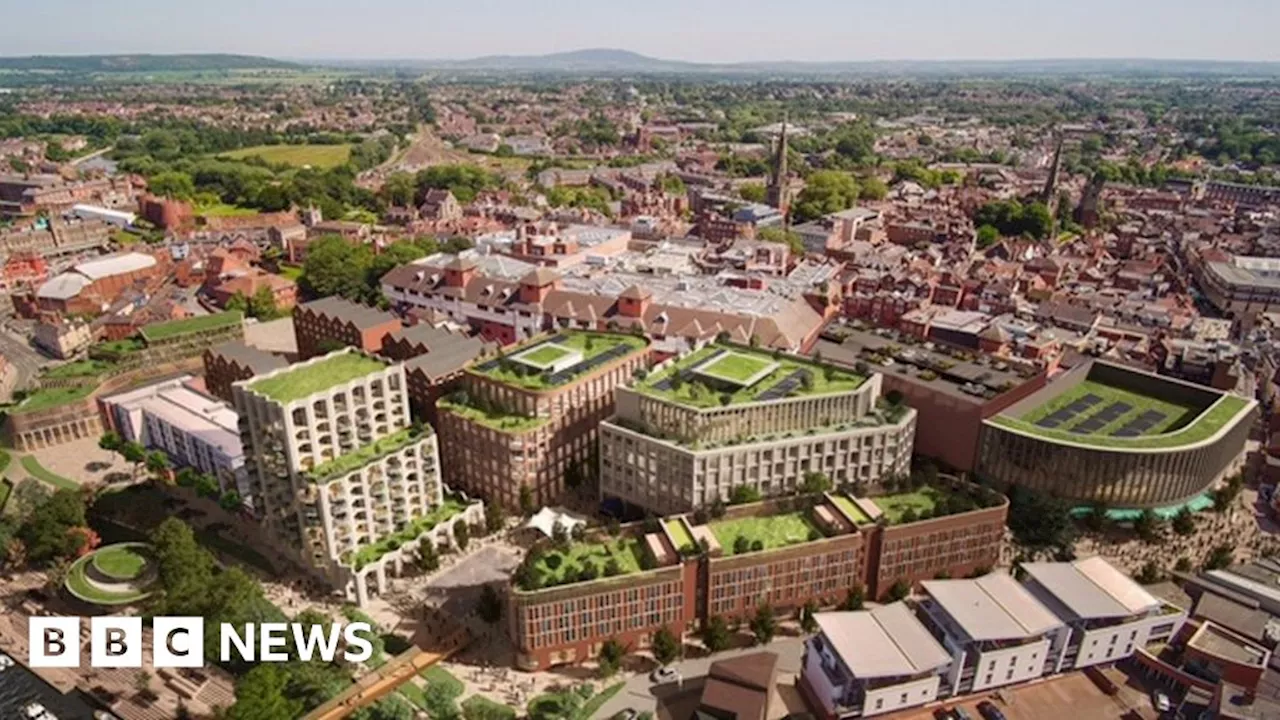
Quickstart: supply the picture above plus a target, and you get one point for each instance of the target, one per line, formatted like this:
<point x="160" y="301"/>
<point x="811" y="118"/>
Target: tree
<point x="334" y="266"/>
<point x="1147" y="525"/>
<point x="1183" y="564"/>
<point x="764" y="624"/>
<point x="715" y="634"/>
<point x="46" y="532"/>
<point x="742" y="494"/>
<point x="1098" y="519"/>
<point x="237" y="303"/>
<point x="260" y="696"/>
<point x="1039" y="521"/>
<point x="428" y="558"/>
<point x="1184" y="523"/>
<point x="263" y="304"/>
<point x="808" y="619"/>
<point x="527" y="506"/>
<point x="741" y="544"/>
<point x="986" y="236"/>
<point x="495" y="517"/>
<point x="111" y="441"/>
<point x="1149" y="574"/>
<point x="900" y="590"/>
<point x="1221" y="556"/>
<point x="177" y="185"/>
<point x="665" y="645"/>
<point x="158" y="464"/>
<point x="790" y="238"/>
<point x="399" y="189"/>
<point x="489" y="605"/>
<point x="825" y="192"/>
<point x="1012" y="218"/>
<point x="752" y="192"/>
<point x="611" y="654"/>
<point x="461" y="534"/>
<point x="855" y="598"/>
<point x="873" y="188"/>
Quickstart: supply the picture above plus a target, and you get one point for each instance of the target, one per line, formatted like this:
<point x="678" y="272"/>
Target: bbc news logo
<point x="116" y="641"/>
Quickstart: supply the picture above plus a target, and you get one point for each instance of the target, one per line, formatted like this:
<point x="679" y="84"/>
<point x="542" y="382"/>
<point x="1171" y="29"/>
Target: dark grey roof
<point x="447" y="358"/>
<point x="251" y="357"/>
<point x="362" y="316"/>
<point x="1241" y="619"/>
<point x="425" y="334"/>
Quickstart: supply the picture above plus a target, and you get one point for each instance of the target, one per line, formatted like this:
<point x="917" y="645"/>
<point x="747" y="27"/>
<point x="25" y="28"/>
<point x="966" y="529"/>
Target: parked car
<point x="664" y="675"/>
<point x="627" y="714"/>
<point x="962" y="714"/>
<point x="989" y="710"/>
<point x="943" y="713"/>
<point x="1160" y="701"/>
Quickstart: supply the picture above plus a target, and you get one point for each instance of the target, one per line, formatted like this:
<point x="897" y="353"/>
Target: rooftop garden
<point x="174" y="328"/>
<point x="918" y="500"/>
<point x="415" y="528"/>
<point x="596" y="348"/>
<point x="1179" y="425"/>
<point x="580" y="561"/>
<point x="305" y="379"/>
<point x="361" y="456"/>
<point x="79" y="369"/>
<point x="115" y="349"/>
<point x="478" y="410"/>
<point x="753" y="534"/>
<point x="693" y="379"/>
<point x="46" y="398"/>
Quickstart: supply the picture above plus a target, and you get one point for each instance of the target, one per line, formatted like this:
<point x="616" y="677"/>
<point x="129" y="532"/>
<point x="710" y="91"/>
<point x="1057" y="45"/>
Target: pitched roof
<point x="540" y="277"/>
<point x="992" y="607"/>
<point x="362" y="316"/>
<point x="885" y="642"/>
<point x="251" y="357"/>
<point x="1091" y="588"/>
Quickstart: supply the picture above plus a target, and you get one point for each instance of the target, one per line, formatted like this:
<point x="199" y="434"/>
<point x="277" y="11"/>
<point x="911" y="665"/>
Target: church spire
<point x="778" y="183"/>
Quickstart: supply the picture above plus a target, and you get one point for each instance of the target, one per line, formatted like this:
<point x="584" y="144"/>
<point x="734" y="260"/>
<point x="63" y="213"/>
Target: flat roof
<point x="317" y="375"/>
<point x="1092" y="588"/>
<point x="1221" y="643"/>
<point x="992" y="607"/>
<point x="887" y="641"/>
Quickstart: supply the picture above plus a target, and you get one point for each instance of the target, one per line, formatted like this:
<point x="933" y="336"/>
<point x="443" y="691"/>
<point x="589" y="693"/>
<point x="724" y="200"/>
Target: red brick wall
<point x="954" y="544"/>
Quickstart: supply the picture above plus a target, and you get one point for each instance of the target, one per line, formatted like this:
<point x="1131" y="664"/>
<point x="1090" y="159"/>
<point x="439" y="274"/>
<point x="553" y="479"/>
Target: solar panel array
<point x="1140" y="424"/>
<point x="1066" y="412"/>
<point x="1102" y="418"/>
<point x="784" y="387"/>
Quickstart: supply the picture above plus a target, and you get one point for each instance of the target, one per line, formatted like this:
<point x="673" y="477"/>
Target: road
<point x="20" y="354"/>
<point x="641" y="695"/>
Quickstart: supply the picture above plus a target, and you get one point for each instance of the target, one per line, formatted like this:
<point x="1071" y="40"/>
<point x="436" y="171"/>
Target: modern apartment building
<point x="530" y="417"/>
<point x="565" y="602"/>
<point x="870" y="662"/>
<point x="728" y="416"/>
<point x="990" y="631"/>
<point x="338" y="471"/>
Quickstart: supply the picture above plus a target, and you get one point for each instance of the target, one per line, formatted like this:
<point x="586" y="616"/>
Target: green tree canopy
<point x="825" y="192"/>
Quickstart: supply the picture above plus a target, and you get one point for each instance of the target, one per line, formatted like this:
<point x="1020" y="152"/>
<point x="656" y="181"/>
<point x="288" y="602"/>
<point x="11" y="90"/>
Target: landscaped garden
<point x="113" y="575"/>
<point x="678" y="532"/>
<point x="32" y="465"/>
<point x="610" y="557"/>
<point x="591" y="345"/>
<point x="691" y="380"/>
<point x="174" y="328"/>
<point x="735" y="367"/>
<point x="491" y="417"/>
<point x="850" y="509"/>
<point x="369" y="553"/>
<point x="763" y="533"/>
<point x="306" y="379"/>
<point x="919" y="501"/>
<point x="52" y="397"/>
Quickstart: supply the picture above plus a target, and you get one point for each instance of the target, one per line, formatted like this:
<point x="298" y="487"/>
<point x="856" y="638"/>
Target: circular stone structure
<point x="117" y="574"/>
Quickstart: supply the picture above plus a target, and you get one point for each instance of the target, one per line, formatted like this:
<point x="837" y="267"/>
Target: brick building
<point x="784" y="552"/>
<point x="433" y="359"/>
<point x="329" y="323"/>
<point x="233" y="361"/>
<point x="530" y="417"/>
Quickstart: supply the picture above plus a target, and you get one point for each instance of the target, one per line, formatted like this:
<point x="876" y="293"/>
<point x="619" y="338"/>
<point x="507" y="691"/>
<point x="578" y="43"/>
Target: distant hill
<point x="603" y="59"/>
<point x="141" y="63"/>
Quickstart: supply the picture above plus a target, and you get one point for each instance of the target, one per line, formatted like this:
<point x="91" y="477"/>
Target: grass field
<point x="41" y="473"/>
<point x="775" y="531"/>
<point x="223" y="210"/>
<point x="290" y="272"/>
<point x="626" y="551"/>
<point x="481" y="706"/>
<point x="304" y="380"/>
<point x="174" y="328"/>
<point x="79" y="586"/>
<point x="590" y="344"/>
<point x="436" y="675"/>
<point x="122" y="562"/>
<point x="544" y="356"/>
<point x="321" y="157"/>
<point x="80" y="368"/>
<point x="1175" y="415"/>
<point x="895" y="505"/>
<point x="46" y="398"/>
<point x="735" y="367"/>
<point x="1197" y="429"/>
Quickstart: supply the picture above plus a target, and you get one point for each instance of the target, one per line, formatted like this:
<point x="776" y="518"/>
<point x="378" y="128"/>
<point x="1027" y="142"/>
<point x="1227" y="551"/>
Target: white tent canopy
<point x="547" y="519"/>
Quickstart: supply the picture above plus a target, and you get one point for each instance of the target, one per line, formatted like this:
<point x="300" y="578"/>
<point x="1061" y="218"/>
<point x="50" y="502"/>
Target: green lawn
<point x="174" y="328"/>
<point x="46" y="398"/>
<point x="694" y="392"/>
<point x="80" y="587"/>
<point x="122" y="562"/>
<point x="597" y="701"/>
<point x="230" y="548"/>
<point x="4" y="461"/>
<point x="626" y="551"/>
<point x="436" y="675"/>
<point x="847" y="505"/>
<point x="321" y="157"/>
<point x="6" y="488"/>
<point x="481" y="706"/>
<point x="80" y="368"/>
<point x="1200" y="428"/>
<point x="735" y="367"/>
<point x="893" y="506"/>
<point x="544" y="355"/>
<point x="682" y="537"/>
<point x="306" y="379"/>
<point x="220" y="209"/>
<point x="497" y="420"/>
<point x="39" y="472"/>
<point x="590" y="344"/>
<point x="775" y="531"/>
<point x="290" y="272"/>
<point x="1175" y="415"/>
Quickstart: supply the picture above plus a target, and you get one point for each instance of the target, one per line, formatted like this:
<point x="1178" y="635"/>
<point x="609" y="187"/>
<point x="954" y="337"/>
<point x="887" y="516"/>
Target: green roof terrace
<point x="361" y="456"/>
<point x="557" y="360"/>
<point x="493" y="418"/>
<point x="723" y="374"/>
<point x="305" y="379"/>
<point x="582" y="561"/>
<point x="175" y="328"/>
<point x="753" y="534"/>
<point x="412" y="530"/>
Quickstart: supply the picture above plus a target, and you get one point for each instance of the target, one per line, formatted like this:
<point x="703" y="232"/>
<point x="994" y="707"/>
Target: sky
<point x="694" y="30"/>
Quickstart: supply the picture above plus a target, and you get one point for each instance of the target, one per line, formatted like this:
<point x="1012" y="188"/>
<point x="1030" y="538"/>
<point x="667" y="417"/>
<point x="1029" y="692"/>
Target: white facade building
<point x="871" y="662"/>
